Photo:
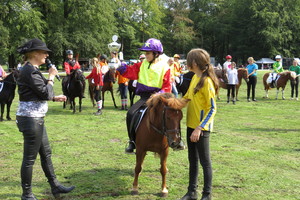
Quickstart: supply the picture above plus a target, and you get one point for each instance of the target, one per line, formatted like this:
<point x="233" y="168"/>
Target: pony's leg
<point x="237" y="92"/>
<point x="103" y="98"/>
<point x="283" y="94"/>
<point x="277" y="93"/>
<point x="163" y="171"/>
<point x="113" y="98"/>
<point x="80" y="101"/>
<point x="140" y="156"/>
<point x="8" y="110"/>
<point x="2" y="111"/>
<point x="73" y="104"/>
<point x="267" y="93"/>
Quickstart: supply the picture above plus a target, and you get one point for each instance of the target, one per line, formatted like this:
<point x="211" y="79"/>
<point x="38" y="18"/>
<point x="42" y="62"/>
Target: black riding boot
<point x="57" y="188"/>
<point x="206" y="196"/>
<point x="27" y="193"/>
<point x="130" y="147"/>
<point x="190" y="195"/>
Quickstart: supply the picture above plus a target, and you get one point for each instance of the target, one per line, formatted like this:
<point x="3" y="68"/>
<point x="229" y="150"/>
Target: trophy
<point x="114" y="47"/>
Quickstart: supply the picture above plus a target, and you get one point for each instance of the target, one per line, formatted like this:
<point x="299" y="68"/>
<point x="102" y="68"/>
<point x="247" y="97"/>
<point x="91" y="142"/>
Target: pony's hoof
<point x="8" y="118"/>
<point x="283" y="98"/>
<point x="164" y="195"/>
<point x="134" y="192"/>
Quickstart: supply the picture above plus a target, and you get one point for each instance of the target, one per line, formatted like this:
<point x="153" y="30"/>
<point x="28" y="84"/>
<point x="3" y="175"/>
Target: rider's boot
<point x="130" y="148"/>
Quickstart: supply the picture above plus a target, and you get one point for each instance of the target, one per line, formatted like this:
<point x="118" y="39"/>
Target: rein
<point x="164" y="131"/>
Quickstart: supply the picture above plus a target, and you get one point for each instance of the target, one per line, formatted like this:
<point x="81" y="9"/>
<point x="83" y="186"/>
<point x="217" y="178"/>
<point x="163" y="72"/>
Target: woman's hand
<point x="196" y="134"/>
<point x="60" y="98"/>
<point x="52" y="72"/>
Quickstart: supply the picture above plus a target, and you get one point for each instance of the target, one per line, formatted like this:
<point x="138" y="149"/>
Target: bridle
<point x="164" y="131"/>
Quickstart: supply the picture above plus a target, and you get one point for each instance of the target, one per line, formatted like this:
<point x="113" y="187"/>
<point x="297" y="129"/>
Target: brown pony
<point x="242" y="74"/>
<point x="280" y="83"/>
<point x="158" y="130"/>
<point x="108" y="82"/>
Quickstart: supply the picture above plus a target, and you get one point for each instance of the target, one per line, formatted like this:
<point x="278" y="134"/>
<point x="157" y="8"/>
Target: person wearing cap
<point x="34" y="92"/>
<point x="153" y="75"/>
<point x="70" y="63"/>
<point x="252" y="75"/>
<point x="277" y="68"/>
<point x="227" y="63"/>
<point x="2" y="73"/>
<point x="123" y="88"/>
<point x="294" y="85"/>
<point x="176" y="62"/>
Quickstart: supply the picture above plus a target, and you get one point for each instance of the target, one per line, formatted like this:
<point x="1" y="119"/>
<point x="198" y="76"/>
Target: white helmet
<point x="278" y="57"/>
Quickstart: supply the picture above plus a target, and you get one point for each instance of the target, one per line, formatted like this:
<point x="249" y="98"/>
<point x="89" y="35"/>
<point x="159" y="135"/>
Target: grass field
<point x="255" y="150"/>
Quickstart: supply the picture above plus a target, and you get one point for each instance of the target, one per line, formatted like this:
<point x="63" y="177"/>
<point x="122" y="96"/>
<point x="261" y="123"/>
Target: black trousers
<point x="251" y="85"/>
<point x="123" y="90"/>
<point x="131" y="112"/>
<point x="231" y="87"/>
<point x="35" y="141"/>
<point x="199" y="151"/>
<point x="97" y="94"/>
<point x="295" y="88"/>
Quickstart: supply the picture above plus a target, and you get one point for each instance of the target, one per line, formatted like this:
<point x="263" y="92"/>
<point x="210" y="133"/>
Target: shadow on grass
<point x="261" y="130"/>
<point x="100" y="183"/>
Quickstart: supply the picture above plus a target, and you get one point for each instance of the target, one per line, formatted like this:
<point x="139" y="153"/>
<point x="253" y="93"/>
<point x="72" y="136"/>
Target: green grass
<point x="255" y="150"/>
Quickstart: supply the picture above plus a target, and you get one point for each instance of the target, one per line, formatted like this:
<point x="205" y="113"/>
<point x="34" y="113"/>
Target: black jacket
<point x="32" y="85"/>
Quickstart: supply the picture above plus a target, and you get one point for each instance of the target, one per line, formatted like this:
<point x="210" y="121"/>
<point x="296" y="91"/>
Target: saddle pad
<point x="1" y="86"/>
<point x="141" y="117"/>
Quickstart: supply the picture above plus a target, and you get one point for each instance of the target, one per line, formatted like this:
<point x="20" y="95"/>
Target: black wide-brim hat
<point x="32" y="45"/>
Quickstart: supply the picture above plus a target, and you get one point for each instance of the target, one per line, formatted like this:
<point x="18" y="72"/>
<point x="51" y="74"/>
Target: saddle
<point x="272" y="79"/>
<point x="136" y="119"/>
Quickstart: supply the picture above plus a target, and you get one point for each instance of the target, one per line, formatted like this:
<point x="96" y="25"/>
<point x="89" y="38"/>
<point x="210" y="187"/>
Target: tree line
<point x="242" y="28"/>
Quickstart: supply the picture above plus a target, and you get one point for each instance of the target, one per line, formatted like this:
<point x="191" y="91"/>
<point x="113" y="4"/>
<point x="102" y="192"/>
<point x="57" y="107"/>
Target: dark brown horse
<point x="158" y="130"/>
<point x="242" y="74"/>
<point x="280" y="83"/>
<point x="108" y="82"/>
<point x="74" y="89"/>
<point x="7" y="93"/>
<point x="131" y="91"/>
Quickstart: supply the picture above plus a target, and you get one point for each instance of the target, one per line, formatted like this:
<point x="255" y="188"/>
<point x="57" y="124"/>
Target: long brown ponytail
<point x="201" y="59"/>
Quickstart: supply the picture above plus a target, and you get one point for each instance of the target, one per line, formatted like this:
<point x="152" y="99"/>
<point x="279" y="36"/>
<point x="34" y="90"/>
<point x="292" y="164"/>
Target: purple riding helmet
<point x="154" y="45"/>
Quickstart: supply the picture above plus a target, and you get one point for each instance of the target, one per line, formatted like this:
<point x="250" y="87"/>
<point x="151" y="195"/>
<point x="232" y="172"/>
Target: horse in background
<point x="280" y="83"/>
<point x="7" y="92"/>
<point x="75" y="88"/>
<point x="108" y="82"/>
<point x="158" y="130"/>
<point x="183" y="83"/>
<point x="131" y="91"/>
<point x="241" y="73"/>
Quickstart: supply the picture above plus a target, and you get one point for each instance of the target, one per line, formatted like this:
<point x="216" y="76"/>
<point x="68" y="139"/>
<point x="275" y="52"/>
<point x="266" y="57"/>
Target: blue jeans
<point x="123" y="90"/>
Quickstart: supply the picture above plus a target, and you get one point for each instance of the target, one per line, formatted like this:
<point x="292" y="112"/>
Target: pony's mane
<point x="168" y="99"/>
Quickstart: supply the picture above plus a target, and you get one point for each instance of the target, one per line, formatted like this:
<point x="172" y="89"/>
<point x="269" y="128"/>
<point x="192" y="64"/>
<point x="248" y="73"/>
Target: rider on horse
<point x="70" y="65"/>
<point x="153" y="75"/>
<point x="277" y="67"/>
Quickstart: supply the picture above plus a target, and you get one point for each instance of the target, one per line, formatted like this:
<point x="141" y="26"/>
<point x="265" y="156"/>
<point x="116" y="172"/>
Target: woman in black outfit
<point x="34" y="92"/>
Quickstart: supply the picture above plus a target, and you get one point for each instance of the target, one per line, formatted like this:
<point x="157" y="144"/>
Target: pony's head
<point x="112" y="74"/>
<point x="244" y="74"/>
<point x="77" y="75"/>
<point x="165" y="115"/>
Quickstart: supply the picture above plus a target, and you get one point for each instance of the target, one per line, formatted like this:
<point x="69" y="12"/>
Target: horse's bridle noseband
<point x="164" y="130"/>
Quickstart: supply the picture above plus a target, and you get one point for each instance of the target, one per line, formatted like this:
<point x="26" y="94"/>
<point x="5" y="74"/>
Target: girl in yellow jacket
<point x="200" y="114"/>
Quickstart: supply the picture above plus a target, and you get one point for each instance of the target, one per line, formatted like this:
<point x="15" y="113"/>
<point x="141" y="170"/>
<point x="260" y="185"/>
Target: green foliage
<point x="243" y="28"/>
